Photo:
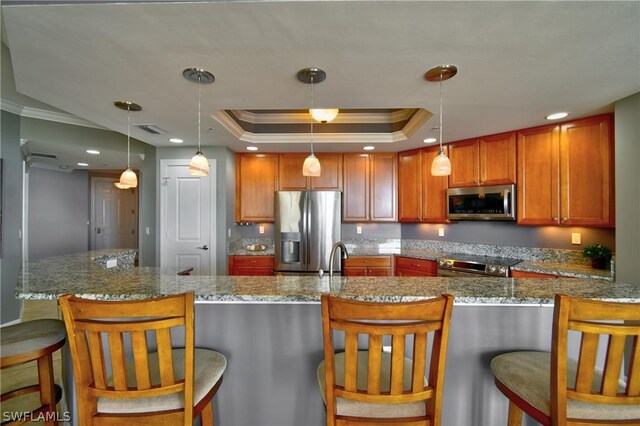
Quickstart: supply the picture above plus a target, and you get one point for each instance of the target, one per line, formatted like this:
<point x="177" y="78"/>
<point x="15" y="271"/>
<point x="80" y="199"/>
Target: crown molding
<point x="41" y="114"/>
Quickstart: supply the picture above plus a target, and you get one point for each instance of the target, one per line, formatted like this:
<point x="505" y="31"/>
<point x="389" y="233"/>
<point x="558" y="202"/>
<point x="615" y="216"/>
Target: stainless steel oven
<point x="467" y="265"/>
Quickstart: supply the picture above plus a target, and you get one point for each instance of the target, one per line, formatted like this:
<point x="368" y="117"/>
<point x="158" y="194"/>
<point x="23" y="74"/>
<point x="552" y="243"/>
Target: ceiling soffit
<point x="350" y="126"/>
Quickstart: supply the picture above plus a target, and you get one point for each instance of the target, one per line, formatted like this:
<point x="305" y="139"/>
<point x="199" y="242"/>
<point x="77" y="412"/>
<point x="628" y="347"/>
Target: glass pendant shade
<point x="324" y="115"/>
<point x="129" y="178"/>
<point x="120" y="186"/>
<point x="199" y="166"/>
<point x="441" y="165"/>
<point x="311" y="166"/>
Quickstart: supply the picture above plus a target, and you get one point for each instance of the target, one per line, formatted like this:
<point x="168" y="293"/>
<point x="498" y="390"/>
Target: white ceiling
<point x="517" y="61"/>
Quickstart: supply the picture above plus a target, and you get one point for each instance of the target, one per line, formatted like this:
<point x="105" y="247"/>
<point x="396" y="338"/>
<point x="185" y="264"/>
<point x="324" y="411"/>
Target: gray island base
<point x="269" y="328"/>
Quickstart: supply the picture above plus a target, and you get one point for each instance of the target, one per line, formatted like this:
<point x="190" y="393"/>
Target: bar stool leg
<point x="515" y="415"/>
<point x="47" y="389"/>
<point x="206" y="415"/>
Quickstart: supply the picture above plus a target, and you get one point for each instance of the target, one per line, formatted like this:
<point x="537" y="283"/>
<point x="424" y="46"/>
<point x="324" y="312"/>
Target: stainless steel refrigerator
<point x="307" y="226"/>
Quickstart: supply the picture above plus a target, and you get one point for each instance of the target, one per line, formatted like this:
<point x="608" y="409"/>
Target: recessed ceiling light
<point x="175" y="140"/>
<point x="252" y="148"/>
<point x="369" y="148"/>
<point x="93" y="151"/>
<point x="430" y="140"/>
<point x="82" y="164"/>
<point x="557" y="116"/>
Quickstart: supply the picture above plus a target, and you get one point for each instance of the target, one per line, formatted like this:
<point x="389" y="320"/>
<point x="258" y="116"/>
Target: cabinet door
<point x="256" y="181"/>
<point x="383" y="187"/>
<point x="290" y="176"/>
<point x="464" y="156"/>
<point x="331" y="176"/>
<point x="410" y="186"/>
<point x="538" y="176"/>
<point x="356" y="187"/>
<point x="498" y="159"/>
<point x="586" y="172"/>
<point x="434" y="189"/>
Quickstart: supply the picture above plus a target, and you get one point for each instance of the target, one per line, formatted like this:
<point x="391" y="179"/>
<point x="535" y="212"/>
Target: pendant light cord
<point x="441" y="151"/>
<point x="311" y="113"/>
<point x="199" y="90"/>
<point x="128" y="133"/>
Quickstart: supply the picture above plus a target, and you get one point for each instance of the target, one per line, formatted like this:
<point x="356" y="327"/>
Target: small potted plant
<point x="600" y="255"/>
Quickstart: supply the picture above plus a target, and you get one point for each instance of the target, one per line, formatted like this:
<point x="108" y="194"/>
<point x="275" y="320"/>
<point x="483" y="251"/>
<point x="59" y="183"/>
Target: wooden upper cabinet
<point x="465" y="166"/>
<point x="497" y="159"/>
<point x="384" y="187"/>
<point x="290" y="176"/>
<point x="410" y="186"/>
<point x="489" y="160"/>
<point x="370" y="188"/>
<point x="538" y="176"/>
<point x="587" y="172"/>
<point x="331" y="176"/>
<point x="434" y="189"/>
<point x="355" y="181"/>
<point x="256" y="182"/>
<point x="421" y="196"/>
<point x="565" y="174"/>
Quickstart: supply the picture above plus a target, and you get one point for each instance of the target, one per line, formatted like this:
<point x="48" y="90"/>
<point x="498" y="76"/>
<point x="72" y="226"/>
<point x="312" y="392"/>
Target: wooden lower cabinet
<point x="526" y="274"/>
<point x="367" y="266"/>
<point x="412" y="267"/>
<point x="251" y="265"/>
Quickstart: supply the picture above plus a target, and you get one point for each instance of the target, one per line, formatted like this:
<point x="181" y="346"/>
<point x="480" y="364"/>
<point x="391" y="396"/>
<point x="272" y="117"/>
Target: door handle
<point x="98" y="230"/>
<point x="204" y="247"/>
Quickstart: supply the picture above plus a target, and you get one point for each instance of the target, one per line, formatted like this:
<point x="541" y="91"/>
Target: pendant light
<point x="311" y="166"/>
<point x="199" y="165"/>
<point x="441" y="165"/>
<point x="128" y="178"/>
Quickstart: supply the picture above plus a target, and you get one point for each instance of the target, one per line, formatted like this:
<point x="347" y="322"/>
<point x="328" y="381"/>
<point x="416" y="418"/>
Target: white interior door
<point x="187" y="218"/>
<point x="114" y="218"/>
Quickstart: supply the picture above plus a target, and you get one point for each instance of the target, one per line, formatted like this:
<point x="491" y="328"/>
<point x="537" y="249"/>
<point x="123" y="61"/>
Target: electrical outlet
<point x="576" y="238"/>
<point x="147" y="230"/>
<point x="229" y="232"/>
<point x="386" y="349"/>
<point x="112" y="263"/>
<point x="261" y="229"/>
<point x="440" y="232"/>
<point x="358" y="229"/>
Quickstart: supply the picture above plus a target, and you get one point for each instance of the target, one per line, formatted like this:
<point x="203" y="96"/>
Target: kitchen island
<point x="270" y="328"/>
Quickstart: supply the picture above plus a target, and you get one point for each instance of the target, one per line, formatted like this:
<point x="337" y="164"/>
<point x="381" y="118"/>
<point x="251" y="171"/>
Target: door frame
<point x="101" y="177"/>
<point x="162" y="183"/>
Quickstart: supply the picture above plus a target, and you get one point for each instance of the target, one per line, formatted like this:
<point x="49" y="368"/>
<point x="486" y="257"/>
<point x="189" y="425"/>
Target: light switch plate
<point x="261" y="229"/>
<point x="112" y="263"/>
<point x="358" y="229"/>
<point x="440" y="232"/>
<point x="576" y="238"/>
<point x="147" y="231"/>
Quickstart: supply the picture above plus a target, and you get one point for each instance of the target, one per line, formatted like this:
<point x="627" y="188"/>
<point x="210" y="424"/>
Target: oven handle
<point x="506" y="202"/>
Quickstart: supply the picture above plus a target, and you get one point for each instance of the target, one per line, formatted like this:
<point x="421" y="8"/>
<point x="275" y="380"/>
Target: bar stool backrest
<point x="99" y="333"/>
<point x="403" y="322"/>
<point x="619" y="323"/>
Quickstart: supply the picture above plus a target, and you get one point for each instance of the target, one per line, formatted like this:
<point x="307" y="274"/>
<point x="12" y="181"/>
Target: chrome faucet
<point x="345" y="255"/>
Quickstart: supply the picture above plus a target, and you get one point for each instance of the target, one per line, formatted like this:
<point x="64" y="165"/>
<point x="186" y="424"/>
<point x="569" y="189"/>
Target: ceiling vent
<point x="43" y="155"/>
<point x="151" y="128"/>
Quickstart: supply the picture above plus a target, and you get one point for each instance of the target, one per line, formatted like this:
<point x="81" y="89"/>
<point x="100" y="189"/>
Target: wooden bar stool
<point x="29" y="341"/>
<point x="369" y="385"/>
<point x="156" y="384"/>
<point x="557" y="390"/>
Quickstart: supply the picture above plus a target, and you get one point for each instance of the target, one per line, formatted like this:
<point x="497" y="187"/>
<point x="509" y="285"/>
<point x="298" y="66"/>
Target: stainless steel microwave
<point x="482" y="203"/>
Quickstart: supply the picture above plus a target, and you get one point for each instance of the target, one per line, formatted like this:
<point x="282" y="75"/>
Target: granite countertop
<point x="51" y="277"/>
<point x="563" y="269"/>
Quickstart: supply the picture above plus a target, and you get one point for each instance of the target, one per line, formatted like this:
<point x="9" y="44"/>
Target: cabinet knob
<point x="555" y="219"/>
<point x="564" y="219"/>
<point x="476" y="181"/>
